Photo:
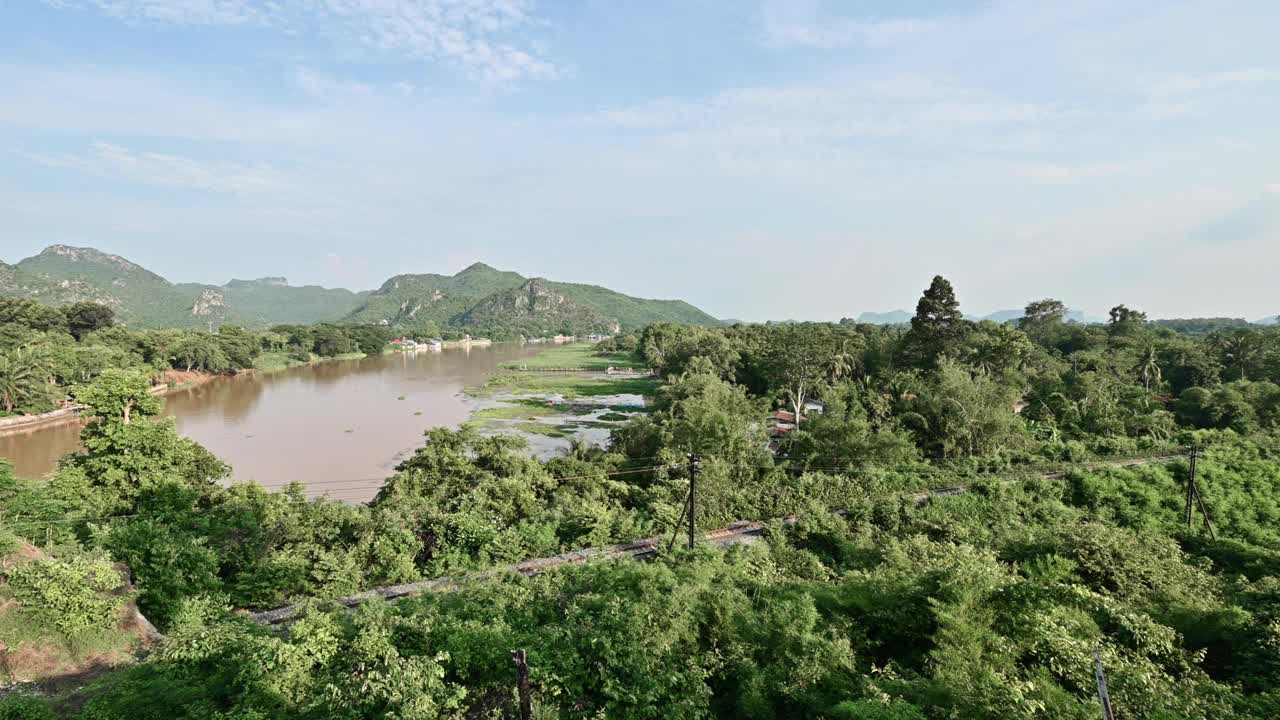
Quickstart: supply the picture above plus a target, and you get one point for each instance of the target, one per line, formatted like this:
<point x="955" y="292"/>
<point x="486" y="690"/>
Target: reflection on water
<point x="336" y="426"/>
<point x="36" y="452"/>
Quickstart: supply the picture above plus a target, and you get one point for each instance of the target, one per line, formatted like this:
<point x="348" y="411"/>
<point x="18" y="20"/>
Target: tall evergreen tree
<point x="938" y="326"/>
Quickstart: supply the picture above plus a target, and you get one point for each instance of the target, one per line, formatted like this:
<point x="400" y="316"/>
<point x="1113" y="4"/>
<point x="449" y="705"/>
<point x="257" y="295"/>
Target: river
<point x="338" y="426"/>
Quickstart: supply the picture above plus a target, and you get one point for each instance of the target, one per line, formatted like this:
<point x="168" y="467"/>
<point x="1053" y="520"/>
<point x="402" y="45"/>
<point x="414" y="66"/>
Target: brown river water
<point x="338" y="426"/>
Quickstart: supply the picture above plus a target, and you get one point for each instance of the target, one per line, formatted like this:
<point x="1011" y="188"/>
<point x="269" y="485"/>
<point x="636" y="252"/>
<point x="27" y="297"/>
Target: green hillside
<point x="267" y="301"/>
<point x="10" y="281"/>
<point x="536" y="308"/>
<point x="478" y="299"/>
<point x="481" y="297"/>
<point x="140" y="297"/>
<point x="634" y="312"/>
<point x="430" y="298"/>
<point x="61" y="274"/>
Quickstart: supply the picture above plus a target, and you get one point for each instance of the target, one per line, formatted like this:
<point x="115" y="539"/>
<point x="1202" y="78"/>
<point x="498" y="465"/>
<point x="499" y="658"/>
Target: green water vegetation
<point x="579" y="356"/>
<point x="526" y="408"/>
<point x="544" y="429"/>
<point x="986" y="604"/>
<point x="568" y="385"/>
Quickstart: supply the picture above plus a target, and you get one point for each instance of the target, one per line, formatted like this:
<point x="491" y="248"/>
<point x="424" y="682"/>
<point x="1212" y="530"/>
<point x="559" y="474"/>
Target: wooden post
<point x="522" y="683"/>
<point x="1103" y="697"/>
<point x="693" y="480"/>
<point x="1191" y="483"/>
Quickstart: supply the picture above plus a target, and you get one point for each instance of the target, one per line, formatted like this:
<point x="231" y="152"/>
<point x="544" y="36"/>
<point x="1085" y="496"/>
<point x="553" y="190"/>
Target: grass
<point x="579" y="356"/>
<point x="273" y="361"/>
<point x="38" y="653"/>
<point x="537" y="428"/>
<point x="514" y="412"/>
<point x="568" y="385"/>
<point x="597" y="424"/>
<point x="521" y="408"/>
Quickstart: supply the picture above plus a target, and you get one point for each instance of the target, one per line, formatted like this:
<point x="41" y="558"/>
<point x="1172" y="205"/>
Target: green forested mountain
<point x="479" y="297"/>
<point x="273" y="300"/>
<point x="419" y="299"/>
<point x="61" y="274"/>
<point x="633" y="312"/>
<point x="483" y="297"/>
<point x="537" y="307"/>
<point x="10" y="279"/>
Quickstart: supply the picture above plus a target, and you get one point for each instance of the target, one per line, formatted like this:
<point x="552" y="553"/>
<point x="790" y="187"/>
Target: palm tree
<point x="1149" y="367"/>
<point x="841" y="364"/>
<point x="1239" y="349"/>
<point x="22" y="373"/>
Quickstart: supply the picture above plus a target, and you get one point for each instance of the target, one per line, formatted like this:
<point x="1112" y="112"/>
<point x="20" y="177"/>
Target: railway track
<point x="735" y="534"/>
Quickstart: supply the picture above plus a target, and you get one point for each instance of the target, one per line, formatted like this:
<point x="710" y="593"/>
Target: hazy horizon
<point x="887" y="309"/>
<point x="763" y="160"/>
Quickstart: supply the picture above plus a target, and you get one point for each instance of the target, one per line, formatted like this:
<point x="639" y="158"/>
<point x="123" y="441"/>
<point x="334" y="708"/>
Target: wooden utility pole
<point x="1103" y="697"/>
<point x="694" y="461"/>
<point x="1191" y="483"/>
<point x="1193" y="494"/>
<point x="522" y="683"/>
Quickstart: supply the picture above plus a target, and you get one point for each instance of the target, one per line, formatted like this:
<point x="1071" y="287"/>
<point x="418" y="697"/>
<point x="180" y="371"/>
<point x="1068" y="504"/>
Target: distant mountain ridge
<point x="478" y="297"/>
<point x="483" y="297"/>
<point x="893" y="317"/>
<point x="900" y="317"/>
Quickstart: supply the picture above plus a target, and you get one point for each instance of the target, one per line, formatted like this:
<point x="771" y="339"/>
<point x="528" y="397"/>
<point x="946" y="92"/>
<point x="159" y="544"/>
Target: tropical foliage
<point x="989" y="603"/>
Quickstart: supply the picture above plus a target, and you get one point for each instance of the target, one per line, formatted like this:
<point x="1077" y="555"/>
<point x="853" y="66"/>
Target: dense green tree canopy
<point x="987" y="603"/>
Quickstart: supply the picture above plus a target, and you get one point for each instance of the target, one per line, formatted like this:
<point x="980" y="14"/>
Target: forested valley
<point x="989" y="603"/>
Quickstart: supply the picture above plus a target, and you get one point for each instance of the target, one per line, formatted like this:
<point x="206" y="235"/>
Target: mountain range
<point x="900" y="317"/>
<point x="479" y="297"/>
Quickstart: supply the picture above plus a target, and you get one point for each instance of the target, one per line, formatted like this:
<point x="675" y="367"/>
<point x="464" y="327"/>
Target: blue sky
<point x="762" y="159"/>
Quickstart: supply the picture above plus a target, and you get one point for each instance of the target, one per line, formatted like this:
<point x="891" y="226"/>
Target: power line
<point x="1009" y="476"/>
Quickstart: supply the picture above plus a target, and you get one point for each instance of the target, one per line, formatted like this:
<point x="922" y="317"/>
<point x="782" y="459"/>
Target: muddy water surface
<point x="338" y="427"/>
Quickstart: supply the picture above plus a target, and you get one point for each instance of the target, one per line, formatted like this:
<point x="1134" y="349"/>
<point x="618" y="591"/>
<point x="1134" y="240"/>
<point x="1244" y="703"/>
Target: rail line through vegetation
<point x="740" y="532"/>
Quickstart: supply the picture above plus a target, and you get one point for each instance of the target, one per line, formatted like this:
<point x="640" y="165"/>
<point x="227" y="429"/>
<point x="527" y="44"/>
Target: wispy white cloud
<point x="181" y="12"/>
<point x="163" y="170"/>
<point x="1204" y="93"/>
<point x="483" y="37"/>
<point x="871" y="33"/>
<point x="790" y="24"/>
<point x="901" y="106"/>
<point x="1227" y="80"/>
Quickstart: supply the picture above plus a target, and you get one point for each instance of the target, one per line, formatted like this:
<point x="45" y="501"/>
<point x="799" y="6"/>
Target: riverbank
<point x="341" y="425"/>
<point x="276" y="361"/>
<point x="171" y="381"/>
<point x="576" y="358"/>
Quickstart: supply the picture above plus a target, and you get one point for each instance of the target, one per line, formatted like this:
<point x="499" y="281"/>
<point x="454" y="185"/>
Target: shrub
<point x="69" y="595"/>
